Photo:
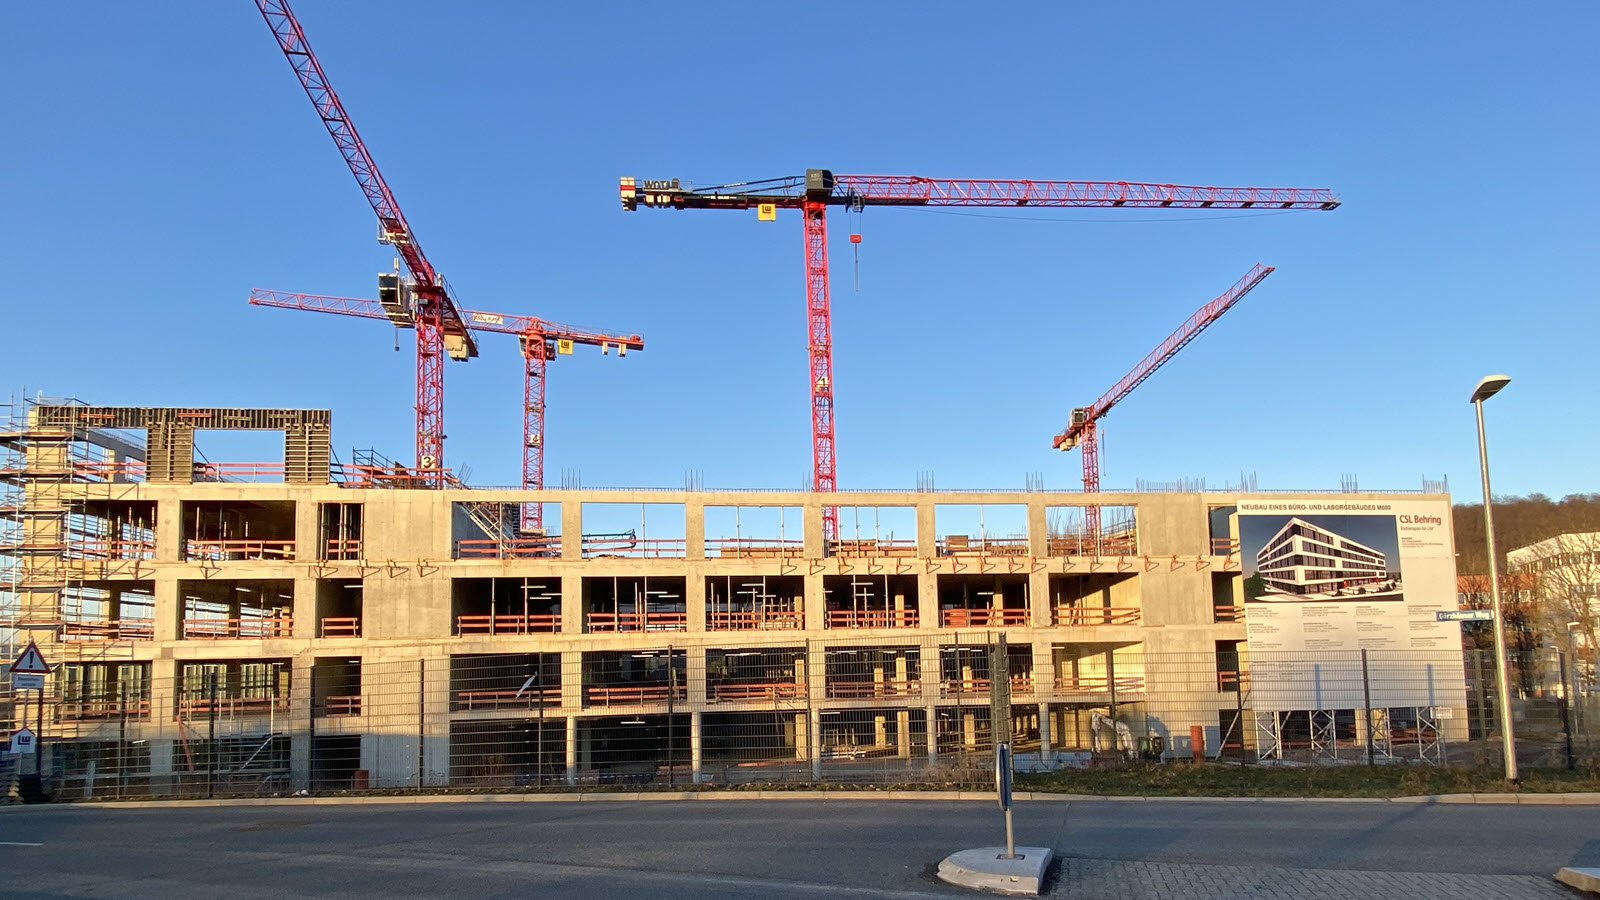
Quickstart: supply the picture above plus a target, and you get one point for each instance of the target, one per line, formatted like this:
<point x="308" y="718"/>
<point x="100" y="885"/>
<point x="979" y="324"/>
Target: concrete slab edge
<point x="1584" y="878"/>
<point x="1572" y="799"/>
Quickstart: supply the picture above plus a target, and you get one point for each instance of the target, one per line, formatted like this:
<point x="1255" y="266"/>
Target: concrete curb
<point x="1574" y="799"/>
<point x="1583" y="878"/>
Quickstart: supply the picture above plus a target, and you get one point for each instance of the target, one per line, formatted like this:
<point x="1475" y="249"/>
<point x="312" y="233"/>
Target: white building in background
<point x="1575" y="555"/>
<point x="1305" y="559"/>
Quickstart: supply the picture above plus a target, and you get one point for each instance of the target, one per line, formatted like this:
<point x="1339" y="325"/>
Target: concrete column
<point x="1044" y="669"/>
<point x="169" y="530"/>
<point x="880" y="731"/>
<point x="902" y="671"/>
<point x="161" y="752"/>
<point x="305" y="610"/>
<point x="902" y="731"/>
<point x="802" y="737"/>
<point x="572" y="681"/>
<point x="571" y="533"/>
<point x="695" y="668"/>
<point x="572" y="750"/>
<point x="1039" y="604"/>
<point x="694" y="529"/>
<point x="694" y="597"/>
<point x="1044" y="733"/>
<point x="571" y="600"/>
<point x="300" y="720"/>
<point x="816" y="604"/>
<point x="695" y="758"/>
<point x="928" y="601"/>
<point x="933" y="732"/>
<point x="308" y="531"/>
<point x="811" y="527"/>
<point x="168" y="611"/>
<point x="927" y="532"/>
<point x="1038" y="530"/>
<point x="969" y="729"/>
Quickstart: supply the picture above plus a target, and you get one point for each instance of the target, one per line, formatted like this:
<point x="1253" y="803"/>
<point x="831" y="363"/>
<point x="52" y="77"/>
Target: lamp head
<point x="1488" y="387"/>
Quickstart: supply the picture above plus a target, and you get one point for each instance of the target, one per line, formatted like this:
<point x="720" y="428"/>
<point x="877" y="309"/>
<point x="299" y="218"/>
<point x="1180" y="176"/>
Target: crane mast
<point x="437" y="319"/>
<point x="1082" y="430"/>
<point x="818" y="189"/>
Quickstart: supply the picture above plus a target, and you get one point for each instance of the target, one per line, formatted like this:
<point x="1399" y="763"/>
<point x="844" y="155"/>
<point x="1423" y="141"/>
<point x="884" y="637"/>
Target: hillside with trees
<point x="1518" y="522"/>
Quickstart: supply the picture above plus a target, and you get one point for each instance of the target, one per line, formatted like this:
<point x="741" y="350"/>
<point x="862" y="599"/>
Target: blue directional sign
<point x="1465" y="615"/>
<point x="1002" y="774"/>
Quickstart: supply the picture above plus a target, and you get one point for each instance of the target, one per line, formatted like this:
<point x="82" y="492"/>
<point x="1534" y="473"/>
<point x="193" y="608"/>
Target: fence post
<point x="211" y="740"/>
<point x="1366" y="703"/>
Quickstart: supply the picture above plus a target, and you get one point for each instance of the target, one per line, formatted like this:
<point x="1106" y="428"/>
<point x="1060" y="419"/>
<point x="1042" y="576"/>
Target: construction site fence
<point x="912" y="711"/>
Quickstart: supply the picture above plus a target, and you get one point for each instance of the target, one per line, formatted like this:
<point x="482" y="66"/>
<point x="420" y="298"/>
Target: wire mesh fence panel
<point x="768" y="707"/>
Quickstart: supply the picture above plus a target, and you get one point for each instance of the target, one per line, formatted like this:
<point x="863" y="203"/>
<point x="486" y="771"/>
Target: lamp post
<point x="1488" y="387"/>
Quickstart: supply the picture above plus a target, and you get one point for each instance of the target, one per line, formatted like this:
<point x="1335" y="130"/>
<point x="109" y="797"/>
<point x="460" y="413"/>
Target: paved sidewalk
<point x="1105" y="879"/>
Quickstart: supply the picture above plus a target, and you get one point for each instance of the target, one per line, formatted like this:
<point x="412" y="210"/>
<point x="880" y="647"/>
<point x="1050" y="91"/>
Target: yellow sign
<point x="766" y="212"/>
<point x="564" y="346"/>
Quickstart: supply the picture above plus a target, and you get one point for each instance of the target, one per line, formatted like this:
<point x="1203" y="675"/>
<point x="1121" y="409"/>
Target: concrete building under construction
<point x="316" y="624"/>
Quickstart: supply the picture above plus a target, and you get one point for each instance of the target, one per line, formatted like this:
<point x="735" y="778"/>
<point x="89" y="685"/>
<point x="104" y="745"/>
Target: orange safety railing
<point x="347" y="705"/>
<point x="649" y="621"/>
<point x="532" y="623"/>
<point x="1230" y="681"/>
<point x="630" y="696"/>
<point x="542" y="547"/>
<point x="1107" y="545"/>
<point x="505" y="698"/>
<point x="135" y="708"/>
<point x="238" y="550"/>
<point x="753" y="621"/>
<point x="238" y="471"/>
<point x="232" y="705"/>
<point x="777" y="690"/>
<point x="1233" y="613"/>
<point x="123" y="470"/>
<point x="341" y="548"/>
<point x="755" y="548"/>
<point x="865" y="690"/>
<point x="1098" y="684"/>
<point x="871" y="618"/>
<point x="633" y="547"/>
<point x="109" y="630"/>
<point x="962" y="545"/>
<point x="339" y="626"/>
<point x="390" y="476"/>
<point x="982" y="618"/>
<point x="1224" y="547"/>
<point x="1097" y="615"/>
<point x="249" y="627"/>
<point x="142" y="548"/>
<point x="865" y="548"/>
<point x="955" y="687"/>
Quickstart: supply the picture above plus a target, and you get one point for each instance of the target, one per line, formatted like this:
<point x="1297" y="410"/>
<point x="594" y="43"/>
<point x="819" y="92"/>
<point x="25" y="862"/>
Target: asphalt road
<point x="840" y="848"/>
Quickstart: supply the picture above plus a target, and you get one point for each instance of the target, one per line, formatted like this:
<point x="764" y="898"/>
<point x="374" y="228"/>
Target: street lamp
<point x="1488" y="387"/>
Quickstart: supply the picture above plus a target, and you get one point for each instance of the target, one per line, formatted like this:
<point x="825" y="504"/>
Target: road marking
<point x="19" y="844"/>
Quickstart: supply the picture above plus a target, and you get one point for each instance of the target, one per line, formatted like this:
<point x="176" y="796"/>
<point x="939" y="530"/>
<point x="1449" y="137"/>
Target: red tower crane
<point x="539" y="340"/>
<point x="436" y="317"/>
<point x="819" y="189"/>
<point x="1082" y="430"/>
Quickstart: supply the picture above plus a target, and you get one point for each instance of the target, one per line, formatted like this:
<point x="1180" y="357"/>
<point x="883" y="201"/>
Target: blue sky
<point x="163" y="160"/>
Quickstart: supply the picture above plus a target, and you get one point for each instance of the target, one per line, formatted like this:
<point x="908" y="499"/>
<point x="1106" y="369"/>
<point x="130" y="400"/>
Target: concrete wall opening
<point x="764" y="674"/>
<point x="873" y="733"/>
<point x="856" y="673"/>
<point x="634" y="603"/>
<point x="221" y="530"/>
<point x="965" y="669"/>
<point x="875" y="532"/>
<point x="508" y="752"/>
<point x="634" y="749"/>
<point x="633" y="530"/>
<point x="963" y="729"/>
<point x="748" y="747"/>
<point x="635" y="678"/>
<point x="484" y="682"/>
<point x="1222" y="524"/>
<point x="336" y="686"/>
<point x="236" y="608"/>
<point x="1071" y="531"/>
<point x="112" y="529"/>
<point x="1107" y="598"/>
<point x="869" y="601"/>
<point x="981" y="529"/>
<point x="232" y="688"/>
<point x="339" y="531"/>
<point x="490" y="530"/>
<point x="227" y="455"/>
<point x="754" y="532"/>
<point x="103" y="690"/>
<point x="1227" y="597"/>
<point x="93" y="611"/>
<point x="1098" y="673"/>
<point x="336" y="763"/>
<point x="754" y="602"/>
<point x="494" y="606"/>
<point x="983" y="601"/>
<point x="339" y="604"/>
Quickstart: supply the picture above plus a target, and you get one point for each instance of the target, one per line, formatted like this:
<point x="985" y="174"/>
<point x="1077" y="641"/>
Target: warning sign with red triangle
<point x="31" y="662"/>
